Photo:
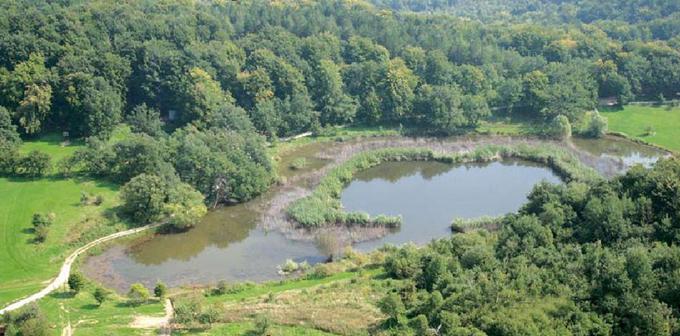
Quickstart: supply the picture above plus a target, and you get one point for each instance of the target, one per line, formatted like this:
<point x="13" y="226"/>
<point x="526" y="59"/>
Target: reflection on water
<point x="228" y="245"/>
<point x="628" y="153"/>
<point x="429" y="194"/>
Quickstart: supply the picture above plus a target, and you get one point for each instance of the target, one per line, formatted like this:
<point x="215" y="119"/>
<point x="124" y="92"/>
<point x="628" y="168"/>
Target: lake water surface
<point x="229" y="244"/>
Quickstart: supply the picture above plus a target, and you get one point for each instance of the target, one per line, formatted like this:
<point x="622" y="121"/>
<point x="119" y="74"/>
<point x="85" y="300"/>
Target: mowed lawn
<point x="635" y="121"/>
<point x="24" y="265"/>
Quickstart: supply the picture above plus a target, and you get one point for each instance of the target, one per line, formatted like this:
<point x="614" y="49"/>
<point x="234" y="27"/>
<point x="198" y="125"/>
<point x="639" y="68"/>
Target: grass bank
<point x="323" y="206"/>
<point x="25" y="265"/>
<point x="659" y="125"/>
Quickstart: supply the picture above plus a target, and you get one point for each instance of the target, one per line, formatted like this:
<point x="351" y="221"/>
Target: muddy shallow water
<point x="246" y="242"/>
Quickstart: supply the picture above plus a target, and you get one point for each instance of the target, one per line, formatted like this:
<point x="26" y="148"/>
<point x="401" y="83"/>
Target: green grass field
<point x="636" y="121"/>
<point x="24" y="265"/>
<point x="114" y="317"/>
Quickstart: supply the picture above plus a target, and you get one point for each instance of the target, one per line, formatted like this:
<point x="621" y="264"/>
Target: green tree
<point x="27" y="90"/>
<point x="34" y="164"/>
<point x="93" y="106"/>
<point x="475" y="108"/>
<point x="8" y="131"/>
<point x="334" y="105"/>
<point x="397" y="90"/>
<point x="144" y="198"/>
<point x="138" y="294"/>
<point x="439" y="109"/>
<point x="392" y="306"/>
<point x="560" y="127"/>
<point x="185" y="207"/>
<point x="203" y="97"/>
<point x="144" y="119"/>
<point x="34" y="107"/>
<point x="76" y="282"/>
<point x="100" y="295"/>
<point x="161" y="290"/>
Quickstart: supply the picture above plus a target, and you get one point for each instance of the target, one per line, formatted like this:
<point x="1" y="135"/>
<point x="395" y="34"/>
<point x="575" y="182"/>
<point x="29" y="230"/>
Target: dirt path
<point x="66" y="267"/>
<point x="156" y="322"/>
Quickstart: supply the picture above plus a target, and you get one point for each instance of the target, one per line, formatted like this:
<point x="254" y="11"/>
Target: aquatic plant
<point x="323" y="206"/>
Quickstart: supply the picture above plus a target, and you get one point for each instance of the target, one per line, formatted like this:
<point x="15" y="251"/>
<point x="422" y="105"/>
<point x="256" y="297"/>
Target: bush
<point x="596" y="125"/>
<point x="160" y="290"/>
<point x="41" y="233"/>
<point x="560" y="128"/>
<point x="34" y="164"/>
<point x="138" y="294"/>
<point x="262" y="325"/>
<point x="76" y="282"/>
<point x="9" y="158"/>
<point x="144" y="198"/>
<point x="100" y="295"/>
<point x="26" y="321"/>
<point x="192" y="310"/>
<point x="41" y="220"/>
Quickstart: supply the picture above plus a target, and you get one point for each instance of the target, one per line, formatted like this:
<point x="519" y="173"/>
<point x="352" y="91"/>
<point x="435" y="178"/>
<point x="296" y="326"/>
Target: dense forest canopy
<point x="209" y="81"/>
<point x="577" y="259"/>
<point x="85" y="66"/>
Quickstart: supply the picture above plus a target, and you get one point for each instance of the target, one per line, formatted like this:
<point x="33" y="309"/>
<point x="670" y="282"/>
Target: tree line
<point x="203" y="85"/>
<point x="597" y="259"/>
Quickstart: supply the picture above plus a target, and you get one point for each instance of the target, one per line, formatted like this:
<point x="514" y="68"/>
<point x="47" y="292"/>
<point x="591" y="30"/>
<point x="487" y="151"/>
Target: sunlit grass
<point x="657" y="125"/>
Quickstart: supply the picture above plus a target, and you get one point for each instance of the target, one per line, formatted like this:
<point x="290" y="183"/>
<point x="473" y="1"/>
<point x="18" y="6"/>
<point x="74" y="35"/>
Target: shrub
<point x="160" y="290"/>
<point x="138" y="294"/>
<point x="28" y="320"/>
<point x="34" y="164"/>
<point x="9" y="158"/>
<point x="289" y="266"/>
<point x="596" y="125"/>
<point x="100" y="295"/>
<point x="144" y="198"/>
<point x="41" y="233"/>
<point x="262" y="325"/>
<point x="560" y="127"/>
<point x="41" y="220"/>
<point x="76" y="282"/>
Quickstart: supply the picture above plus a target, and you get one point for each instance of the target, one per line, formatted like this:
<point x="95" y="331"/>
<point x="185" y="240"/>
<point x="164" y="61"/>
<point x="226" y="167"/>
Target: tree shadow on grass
<point x="89" y="306"/>
<point x="63" y="295"/>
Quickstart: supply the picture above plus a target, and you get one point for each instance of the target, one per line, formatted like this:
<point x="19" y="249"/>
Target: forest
<point x="208" y="89"/>
<point x="252" y="72"/>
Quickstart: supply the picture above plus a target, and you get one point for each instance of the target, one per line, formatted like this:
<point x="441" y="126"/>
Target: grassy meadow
<point x="25" y="265"/>
<point x="341" y="303"/>
<point x="658" y="125"/>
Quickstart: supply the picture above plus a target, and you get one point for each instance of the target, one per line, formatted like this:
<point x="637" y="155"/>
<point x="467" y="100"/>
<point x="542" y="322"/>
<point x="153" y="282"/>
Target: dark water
<point x="428" y="195"/>
<point x="228" y="245"/>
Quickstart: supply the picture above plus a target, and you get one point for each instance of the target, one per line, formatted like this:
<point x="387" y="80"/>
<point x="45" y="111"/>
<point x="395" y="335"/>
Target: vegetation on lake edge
<point x="323" y="206"/>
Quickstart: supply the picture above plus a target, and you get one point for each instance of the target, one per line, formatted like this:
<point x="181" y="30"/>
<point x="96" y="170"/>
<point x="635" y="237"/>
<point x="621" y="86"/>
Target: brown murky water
<point x="230" y="244"/>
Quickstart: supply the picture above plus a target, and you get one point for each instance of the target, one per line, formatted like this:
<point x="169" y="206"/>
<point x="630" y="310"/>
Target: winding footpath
<point x="62" y="278"/>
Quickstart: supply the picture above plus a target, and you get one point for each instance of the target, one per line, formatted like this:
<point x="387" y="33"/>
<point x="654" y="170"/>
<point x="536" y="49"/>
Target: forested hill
<point x="84" y="66"/>
<point x="563" y="11"/>
<point x="207" y="81"/>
